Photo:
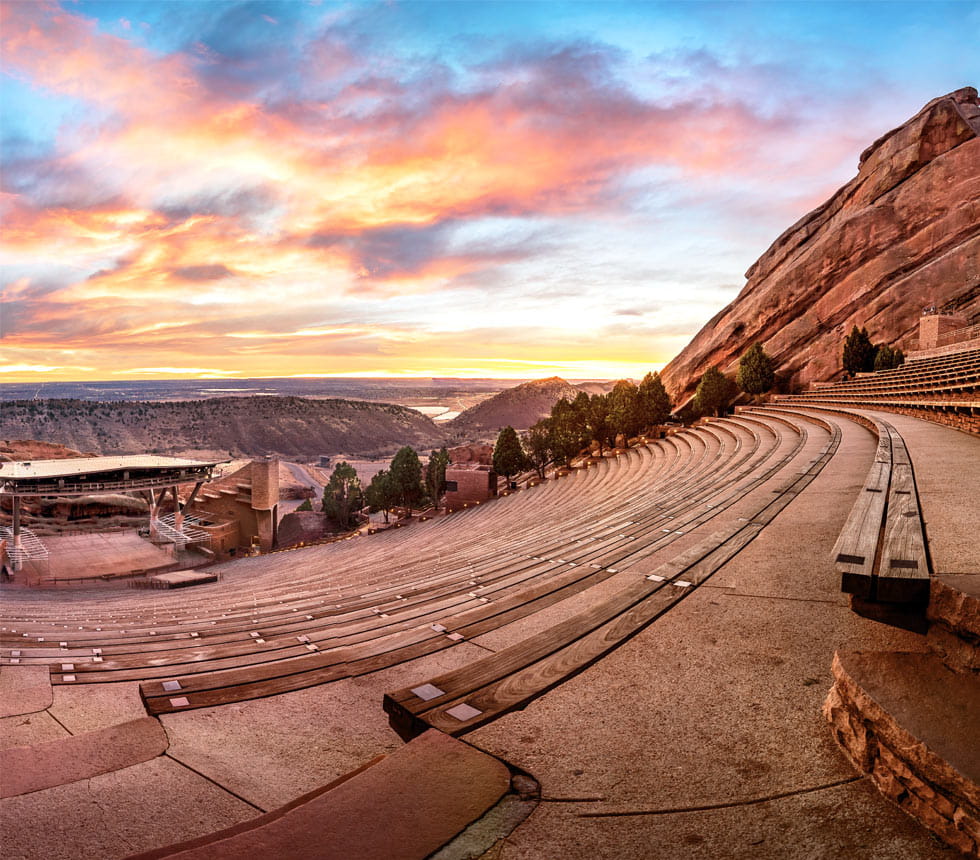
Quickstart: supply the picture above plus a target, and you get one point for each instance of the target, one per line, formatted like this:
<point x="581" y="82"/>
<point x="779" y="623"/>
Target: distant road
<point x="287" y="506"/>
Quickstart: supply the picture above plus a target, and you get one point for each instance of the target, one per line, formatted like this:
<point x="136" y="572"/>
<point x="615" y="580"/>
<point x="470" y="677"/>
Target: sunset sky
<point x="422" y="188"/>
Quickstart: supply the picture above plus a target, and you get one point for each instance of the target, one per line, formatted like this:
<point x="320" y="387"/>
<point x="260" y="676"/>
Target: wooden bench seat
<point x="881" y="554"/>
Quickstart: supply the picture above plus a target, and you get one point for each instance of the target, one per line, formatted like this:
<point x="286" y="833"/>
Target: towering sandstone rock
<point x="901" y="235"/>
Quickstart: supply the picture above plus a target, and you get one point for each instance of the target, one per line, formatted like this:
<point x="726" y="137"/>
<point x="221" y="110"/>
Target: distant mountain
<point x="238" y="426"/>
<point x="519" y="407"/>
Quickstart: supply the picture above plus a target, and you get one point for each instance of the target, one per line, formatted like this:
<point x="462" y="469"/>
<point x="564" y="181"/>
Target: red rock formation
<point x="903" y="234"/>
<point x="471" y="454"/>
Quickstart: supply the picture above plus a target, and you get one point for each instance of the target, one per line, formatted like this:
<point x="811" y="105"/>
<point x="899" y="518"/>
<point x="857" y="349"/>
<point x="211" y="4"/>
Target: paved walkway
<point x="703" y="736"/>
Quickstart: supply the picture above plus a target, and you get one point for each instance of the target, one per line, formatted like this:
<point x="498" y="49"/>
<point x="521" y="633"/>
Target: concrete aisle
<point x="703" y="735"/>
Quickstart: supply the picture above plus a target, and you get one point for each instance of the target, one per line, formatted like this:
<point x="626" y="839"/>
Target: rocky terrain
<point x="30" y="449"/>
<point x="232" y="426"/>
<point x="902" y="235"/>
<point x="520" y="407"/>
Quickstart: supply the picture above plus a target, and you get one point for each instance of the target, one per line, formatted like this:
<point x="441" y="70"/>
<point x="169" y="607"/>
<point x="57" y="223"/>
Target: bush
<point x="886" y="358"/>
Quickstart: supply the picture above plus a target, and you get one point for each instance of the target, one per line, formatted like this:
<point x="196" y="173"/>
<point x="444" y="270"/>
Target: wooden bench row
<point x="218" y="687"/>
<point x="459" y="701"/>
<point x="881" y="551"/>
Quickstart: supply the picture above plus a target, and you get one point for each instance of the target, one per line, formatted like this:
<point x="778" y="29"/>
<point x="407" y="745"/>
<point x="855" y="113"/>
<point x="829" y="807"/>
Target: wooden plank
<point x="243" y="692"/>
<point x="856" y="546"/>
<point x="695" y="565"/>
<point x="904" y="573"/>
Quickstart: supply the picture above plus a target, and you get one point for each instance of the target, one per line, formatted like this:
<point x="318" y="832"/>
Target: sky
<point x="472" y="189"/>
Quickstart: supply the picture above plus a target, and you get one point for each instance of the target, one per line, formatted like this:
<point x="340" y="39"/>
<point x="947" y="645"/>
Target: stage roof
<point x="39" y="469"/>
<point x="100" y="474"/>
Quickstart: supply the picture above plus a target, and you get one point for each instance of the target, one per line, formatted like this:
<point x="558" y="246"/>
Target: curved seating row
<point x="312" y="633"/>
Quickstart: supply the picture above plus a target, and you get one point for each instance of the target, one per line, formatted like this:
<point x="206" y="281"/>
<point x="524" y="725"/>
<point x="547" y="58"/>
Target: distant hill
<point x="519" y="407"/>
<point x="238" y="426"/>
<point x="901" y="235"/>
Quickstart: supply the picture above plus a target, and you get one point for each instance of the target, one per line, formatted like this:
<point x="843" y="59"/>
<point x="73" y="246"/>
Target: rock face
<point x="901" y="235"/>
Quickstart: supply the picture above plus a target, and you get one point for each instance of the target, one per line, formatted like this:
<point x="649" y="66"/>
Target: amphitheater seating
<point x="460" y="701"/>
<point x="944" y="388"/>
<point x="886" y="513"/>
<point x="297" y="629"/>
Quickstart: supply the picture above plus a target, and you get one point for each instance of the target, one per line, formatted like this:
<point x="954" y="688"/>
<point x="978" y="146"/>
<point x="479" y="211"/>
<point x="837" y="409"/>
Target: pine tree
<point x="435" y="475"/>
<point x="537" y="445"/>
<point x="655" y="405"/>
<point x="755" y="374"/>
<point x="381" y="493"/>
<point x="714" y="392"/>
<point x="565" y="432"/>
<point x="599" y="421"/>
<point x="859" y="352"/>
<point x="886" y="358"/>
<point x="342" y="495"/>
<point x="624" y="408"/>
<point x="406" y="477"/>
<point x="508" y="455"/>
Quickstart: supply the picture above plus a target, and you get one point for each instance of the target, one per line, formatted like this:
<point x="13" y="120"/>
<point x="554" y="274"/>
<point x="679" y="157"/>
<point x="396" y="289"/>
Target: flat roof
<point x="41" y="469"/>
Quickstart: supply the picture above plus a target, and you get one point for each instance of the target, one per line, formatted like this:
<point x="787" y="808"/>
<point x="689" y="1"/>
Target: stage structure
<point x="153" y="477"/>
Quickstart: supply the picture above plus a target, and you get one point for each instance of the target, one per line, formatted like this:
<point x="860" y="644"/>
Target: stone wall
<point x="902" y="768"/>
<point x="472" y="485"/>
<point x="954" y="622"/>
<point x="932" y="327"/>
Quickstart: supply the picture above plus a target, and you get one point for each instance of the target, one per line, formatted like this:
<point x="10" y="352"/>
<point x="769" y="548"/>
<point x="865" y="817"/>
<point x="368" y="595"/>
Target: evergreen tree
<point x="306" y="505"/>
<point x="508" y="455"/>
<point x="406" y="477"/>
<point x="381" y="493"/>
<point x="886" y="358"/>
<point x="714" y="392"/>
<point x="435" y="475"/>
<point x="654" y="401"/>
<point x="624" y="408"/>
<point x="565" y="432"/>
<point x="859" y="352"/>
<point x="599" y="421"/>
<point x="537" y="445"/>
<point x="755" y="373"/>
<point x="342" y="495"/>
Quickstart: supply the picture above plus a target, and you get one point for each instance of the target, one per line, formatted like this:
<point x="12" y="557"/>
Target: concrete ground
<point x="703" y="736"/>
<point x="86" y="555"/>
<point x="700" y="737"/>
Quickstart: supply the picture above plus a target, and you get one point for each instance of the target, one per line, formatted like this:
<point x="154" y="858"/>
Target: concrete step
<point x="405" y="805"/>
<point x="912" y="724"/>
<point x="46" y="765"/>
<point x="24" y="689"/>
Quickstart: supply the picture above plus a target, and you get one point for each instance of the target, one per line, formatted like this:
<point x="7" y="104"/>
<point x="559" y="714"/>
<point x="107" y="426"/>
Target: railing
<point x="30" y="546"/>
<point x="27" y="487"/>
<point x="970" y="332"/>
